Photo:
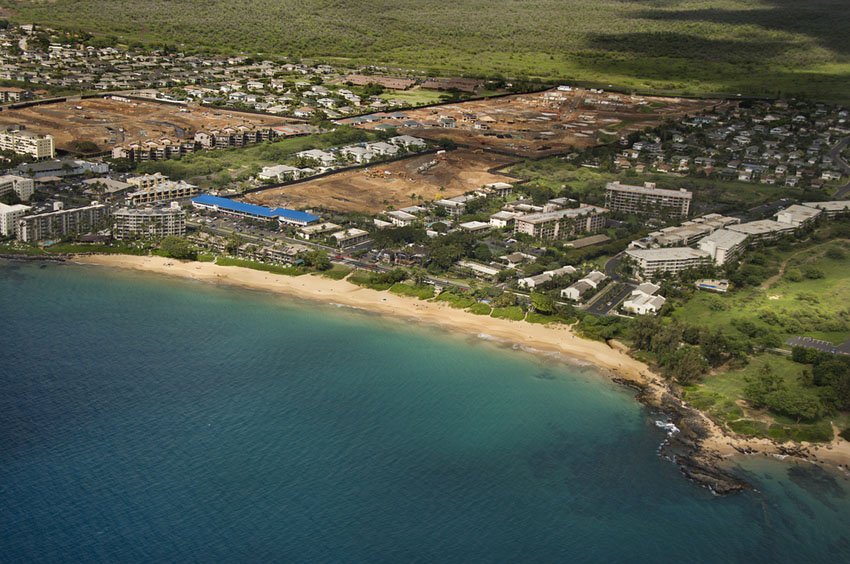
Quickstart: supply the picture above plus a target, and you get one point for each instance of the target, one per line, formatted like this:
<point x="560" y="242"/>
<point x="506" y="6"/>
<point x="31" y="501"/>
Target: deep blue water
<point x="149" y="419"/>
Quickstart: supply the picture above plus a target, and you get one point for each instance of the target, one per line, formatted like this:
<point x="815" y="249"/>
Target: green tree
<point x="178" y="248"/>
<point x="542" y="303"/>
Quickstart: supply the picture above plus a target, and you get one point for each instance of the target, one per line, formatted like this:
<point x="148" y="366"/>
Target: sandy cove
<point x="707" y="443"/>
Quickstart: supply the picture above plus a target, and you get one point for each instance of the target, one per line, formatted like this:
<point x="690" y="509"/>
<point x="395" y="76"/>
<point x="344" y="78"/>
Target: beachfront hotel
<point x="153" y="223"/>
<point x="61" y="222"/>
<point x="9" y="216"/>
<point x="652" y="263"/>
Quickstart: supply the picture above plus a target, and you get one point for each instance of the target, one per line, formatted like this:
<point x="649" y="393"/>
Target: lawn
<point x="415" y="97"/>
<point x="425" y="292"/>
<point x="514" y="313"/>
<point x="792" y="305"/>
<point x="272" y="268"/>
<point x="456" y="301"/>
<point x="720" y="395"/>
<point x="336" y="272"/>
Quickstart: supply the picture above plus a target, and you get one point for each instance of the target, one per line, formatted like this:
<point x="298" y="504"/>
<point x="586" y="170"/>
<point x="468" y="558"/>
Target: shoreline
<point x="700" y="448"/>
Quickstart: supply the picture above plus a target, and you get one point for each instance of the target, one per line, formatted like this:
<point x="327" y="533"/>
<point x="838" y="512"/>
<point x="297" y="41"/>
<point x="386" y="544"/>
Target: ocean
<point x="148" y="419"/>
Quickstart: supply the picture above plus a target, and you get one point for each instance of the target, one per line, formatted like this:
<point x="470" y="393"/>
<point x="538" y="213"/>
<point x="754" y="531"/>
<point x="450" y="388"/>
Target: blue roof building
<point x="252" y="211"/>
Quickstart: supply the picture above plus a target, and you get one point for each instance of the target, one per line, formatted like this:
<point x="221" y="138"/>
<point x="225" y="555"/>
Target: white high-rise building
<point x="23" y="142"/>
<point x="9" y="216"/>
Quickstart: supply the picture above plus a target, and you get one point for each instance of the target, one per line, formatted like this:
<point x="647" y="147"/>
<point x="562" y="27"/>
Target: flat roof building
<point x="148" y="223"/>
<point x="652" y="263"/>
<point x="166" y="191"/>
<point x="23" y="142"/>
<point x="350" y="237"/>
<point x="724" y="245"/>
<point x="763" y="229"/>
<point x="561" y="224"/>
<point x="252" y="211"/>
<point x="798" y="216"/>
<point x="22" y="187"/>
<point x="9" y="216"/>
<point x="647" y="200"/>
<point x="62" y="223"/>
<point x="831" y="209"/>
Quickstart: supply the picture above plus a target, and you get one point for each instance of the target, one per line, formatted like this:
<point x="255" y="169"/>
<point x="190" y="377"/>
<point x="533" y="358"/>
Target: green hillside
<point x="690" y="46"/>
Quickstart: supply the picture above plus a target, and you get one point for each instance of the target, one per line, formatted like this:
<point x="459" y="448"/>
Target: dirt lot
<point x="108" y="122"/>
<point x="397" y="184"/>
<point x="544" y="123"/>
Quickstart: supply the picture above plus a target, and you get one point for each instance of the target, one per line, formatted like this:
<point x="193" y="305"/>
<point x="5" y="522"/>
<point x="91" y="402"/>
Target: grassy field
<point x="694" y="47"/>
<point x="720" y="397"/>
<point x="272" y="268"/>
<point x="792" y="303"/>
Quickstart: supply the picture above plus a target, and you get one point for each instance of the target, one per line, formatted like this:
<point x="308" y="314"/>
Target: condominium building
<point x="151" y="223"/>
<point x="724" y="245"/>
<point x="9" y="216"/>
<point x="831" y="209"/>
<point x="166" y="191"/>
<point x="561" y="224"/>
<point x="763" y="229"/>
<point x="21" y="186"/>
<point x="350" y="237"/>
<point x="798" y="216"/>
<point x="146" y="181"/>
<point x="62" y="223"/>
<point x="22" y="142"/>
<point x="648" y="200"/>
<point x="651" y="263"/>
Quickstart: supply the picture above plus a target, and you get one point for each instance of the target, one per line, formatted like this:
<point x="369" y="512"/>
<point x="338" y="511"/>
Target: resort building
<point x="147" y="181"/>
<point x="503" y="219"/>
<point x="350" y="237"/>
<point x="166" y="191"/>
<point x="9" y="216"/>
<point x="724" y="245"/>
<point x="148" y="223"/>
<point x="798" y="216"/>
<point x="401" y="219"/>
<point x="647" y="200"/>
<point x="20" y="141"/>
<point x="314" y="231"/>
<point x="763" y="230"/>
<point x="831" y="209"/>
<point x="561" y="224"/>
<point x="652" y="263"/>
<point x="251" y="211"/>
<point x="62" y="223"/>
<point x="21" y="186"/>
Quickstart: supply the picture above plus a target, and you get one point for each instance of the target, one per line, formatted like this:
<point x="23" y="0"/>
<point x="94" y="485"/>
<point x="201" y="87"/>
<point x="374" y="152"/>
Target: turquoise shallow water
<point x="149" y="419"/>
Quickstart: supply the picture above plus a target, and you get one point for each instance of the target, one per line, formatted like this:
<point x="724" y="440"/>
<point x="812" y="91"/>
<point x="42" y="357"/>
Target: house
<point x="643" y="300"/>
<point x="536" y="281"/>
<point x="576" y="290"/>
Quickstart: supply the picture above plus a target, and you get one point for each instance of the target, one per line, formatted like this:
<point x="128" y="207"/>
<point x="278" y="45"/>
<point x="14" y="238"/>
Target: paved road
<point x="612" y="266"/>
<point x="844" y="191"/>
<point x="611" y="299"/>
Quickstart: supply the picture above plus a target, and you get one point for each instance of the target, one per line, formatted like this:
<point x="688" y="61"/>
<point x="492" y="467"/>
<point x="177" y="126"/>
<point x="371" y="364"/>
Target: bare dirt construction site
<point x="542" y="123"/>
<point x="397" y="184"/>
<point x="107" y="122"/>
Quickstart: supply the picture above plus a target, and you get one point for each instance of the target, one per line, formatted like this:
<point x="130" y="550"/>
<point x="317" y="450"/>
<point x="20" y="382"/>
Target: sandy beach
<point x="539" y="338"/>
